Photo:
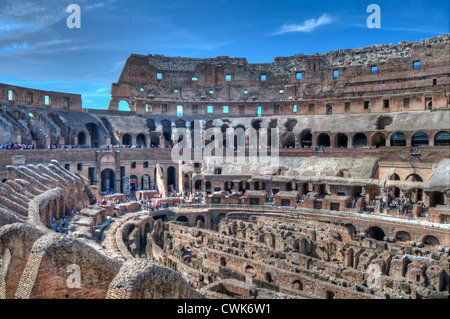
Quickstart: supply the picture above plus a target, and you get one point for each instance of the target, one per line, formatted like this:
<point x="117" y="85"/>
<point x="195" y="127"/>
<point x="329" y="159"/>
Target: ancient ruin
<point x="357" y="206"/>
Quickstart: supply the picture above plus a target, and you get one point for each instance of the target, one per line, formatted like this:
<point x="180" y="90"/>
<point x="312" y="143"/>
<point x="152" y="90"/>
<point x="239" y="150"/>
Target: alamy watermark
<point x="74" y="279"/>
<point x="230" y="146"/>
<point x="374" y="20"/>
<point x="74" y="19"/>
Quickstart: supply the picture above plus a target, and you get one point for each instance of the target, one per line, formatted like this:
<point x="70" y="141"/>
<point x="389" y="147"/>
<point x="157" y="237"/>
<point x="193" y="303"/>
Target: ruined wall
<point x="39" y="98"/>
<point x="196" y="83"/>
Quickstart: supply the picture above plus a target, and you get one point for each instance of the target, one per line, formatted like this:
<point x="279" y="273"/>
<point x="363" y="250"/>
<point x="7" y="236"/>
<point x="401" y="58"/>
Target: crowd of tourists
<point x="16" y="147"/>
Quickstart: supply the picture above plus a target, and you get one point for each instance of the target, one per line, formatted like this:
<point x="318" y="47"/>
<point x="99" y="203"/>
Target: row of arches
<point x="441" y="138"/>
<point x="377" y="233"/>
<point x="109" y="179"/>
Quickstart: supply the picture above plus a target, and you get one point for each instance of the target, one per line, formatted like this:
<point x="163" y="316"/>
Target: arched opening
<point x="220" y="217"/>
<point x="272" y="125"/>
<point x="198" y="185"/>
<point x="141" y="141"/>
<point x="239" y="137"/>
<point x="306" y="138"/>
<point x="133" y="183"/>
<point x="180" y="124"/>
<point x="323" y="140"/>
<point x="341" y="140"/>
<point x="420" y="139"/>
<point x="223" y="261"/>
<point x="402" y="236"/>
<point x="200" y="219"/>
<point x="224" y="129"/>
<point x="437" y="198"/>
<point x="208" y="187"/>
<point x="108" y="181"/>
<point x="171" y="179"/>
<point x="416" y="193"/>
<point x="351" y="229"/>
<point x="124" y="106"/>
<point x="430" y="241"/>
<point x="82" y="140"/>
<point x="375" y="232"/>
<point x="291" y="186"/>
<point x="414" y="178"/>
<point x="442" y="139"/>
<point x="383" y="122"/>
<point x="127" y="140"/>
<point x="379" y="140"/>
<point x="145" y="182"/>
<point x="93" y="131"/>
<point x="182" y="219"/>
<point x="250" y="270"/>
<point x="288" y="140"/>
<point x="297" y="285"/>
<point x="395" y="191"/>
<point x="398" y="139"/>
<point x="4" y="180"/>
<point x="155" y="140"/>
<point x="360" y="140"/>
<point x="290" y="125"/>
<point x="167" y="132"/>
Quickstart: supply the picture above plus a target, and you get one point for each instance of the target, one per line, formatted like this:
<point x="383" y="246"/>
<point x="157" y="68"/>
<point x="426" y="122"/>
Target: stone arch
<point x="306" y="138"/>
<point x="82" y="138"/>
<point x="35" y="115"/>
<point x="167" y="131"/>
<point x="182" y="219"/>
<point x="323" y="140"/>
<point x="250" y="270"/>
<point x="383" y="122"/>
<point x="124" y="105"/>
<point x="360" y="140"/>
<point x="420" y="139"/>
<point x="180" y="123"/>
<point x="200" y="218"/>
<point x="127" y="140"/>
<point x="341" y="140"/>
<point x="378" y="139"/>
<point x="220" y="217"/>
<point x="172" y="178"/>
<point x="430" y="241"/>
<point x="18" y="114"/>
<point x="108" y="178"/>
<point x="143" y="186"/>
<point x="442" y="138"/>
<point x="437" y="198"/>
<point x="141" y="140"/>
<point x="414" y="178"/>
<point x="375" y="232"/>
<point x="290" y="125"/>
<point x="288" y="140"/>
<point x="94" y="133"/>
<point x="351" y="228"/>
<point x="297" y="285"/>
<point x="402" y="236"/>
<point x="398" y="139"/>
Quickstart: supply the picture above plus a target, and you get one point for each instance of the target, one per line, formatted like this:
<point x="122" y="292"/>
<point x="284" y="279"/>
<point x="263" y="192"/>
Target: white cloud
<point x="307" y="26"/>
<point x="19" y="17"/>
<point x="14" y="47"/>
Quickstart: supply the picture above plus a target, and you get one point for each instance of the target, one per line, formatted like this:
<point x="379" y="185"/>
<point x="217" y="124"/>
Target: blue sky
<point x="38" y="50"/>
